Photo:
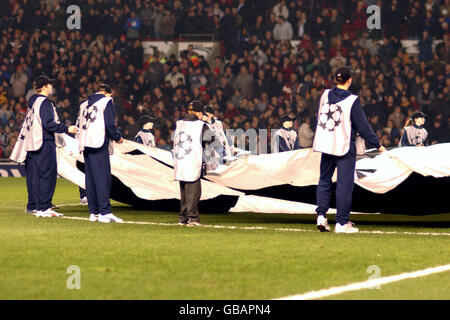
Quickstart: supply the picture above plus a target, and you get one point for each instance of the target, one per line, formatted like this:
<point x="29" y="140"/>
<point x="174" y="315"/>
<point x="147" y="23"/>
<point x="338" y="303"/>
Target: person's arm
<point x="138" y="139"/>
<point x="282" y="146"/>
<point x="290" y="32"/>
<point x="48" y="119"/>
<point x="138" y="24"/>
<point x="426" y="142"/>
<point x="208" y="136"/>
<point x="361" y="125"/>
<point x="110" y="126"/>
<point x="285" y="12"/>
<point x="127" y="24"/>
<point x="404" y="140"/>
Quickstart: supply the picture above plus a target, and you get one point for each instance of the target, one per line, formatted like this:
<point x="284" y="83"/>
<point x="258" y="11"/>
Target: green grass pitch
<point x="165" y="261"/>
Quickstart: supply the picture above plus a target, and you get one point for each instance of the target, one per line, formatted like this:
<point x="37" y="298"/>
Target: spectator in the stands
<point x="425" y="46"/>
<point x="244" y="82"/>
<point x="282" y="30"/>
<point x="280" y="9"/>
<point x="438" y="133"/>
<point x="133" y="26"/>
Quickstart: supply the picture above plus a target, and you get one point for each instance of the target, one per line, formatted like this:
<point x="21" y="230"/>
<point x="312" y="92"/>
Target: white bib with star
<point x="147" y="138"/>
<point x="415" y="136"/>
<point x="31" y="135"/>
<point x="91" y="124"/>
<point x="333" y="132"/>
<point x="289" y="137"/>
<point x="187" y="150"/>
<point x="217" y="127"/>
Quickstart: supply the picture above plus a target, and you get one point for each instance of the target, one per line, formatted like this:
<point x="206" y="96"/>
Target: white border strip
<point x="366" y="284"/>
<point x="265" y="228"/>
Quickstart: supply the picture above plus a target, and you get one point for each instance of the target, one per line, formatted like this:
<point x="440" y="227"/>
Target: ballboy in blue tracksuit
<point x="97" y="127"/>
<point x="36" y="147"/>
<point x="340" y="117"/>
<point x="415" y="135"/>
<point x="145" y="136"/>
<point x="287" y="139"/>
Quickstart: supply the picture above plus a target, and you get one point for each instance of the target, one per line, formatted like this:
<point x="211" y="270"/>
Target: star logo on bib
<point x="183" y="145"/>
<point x="29" y="120"/>
<point x="89" y="115"/>
<point x="331" y="116"/>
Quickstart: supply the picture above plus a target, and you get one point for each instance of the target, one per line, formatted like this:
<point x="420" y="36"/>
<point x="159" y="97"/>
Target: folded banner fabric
<point x="148" y="173"/>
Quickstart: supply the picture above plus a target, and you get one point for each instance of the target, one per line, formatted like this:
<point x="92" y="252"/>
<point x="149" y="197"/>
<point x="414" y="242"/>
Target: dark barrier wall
<point x="8" y="169"/>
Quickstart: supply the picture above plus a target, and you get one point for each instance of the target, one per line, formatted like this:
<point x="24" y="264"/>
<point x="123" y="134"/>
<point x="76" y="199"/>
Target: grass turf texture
<point x="127" y="261"/>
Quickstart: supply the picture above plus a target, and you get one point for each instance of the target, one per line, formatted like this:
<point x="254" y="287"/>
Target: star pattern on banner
<point x="330" y="117"/>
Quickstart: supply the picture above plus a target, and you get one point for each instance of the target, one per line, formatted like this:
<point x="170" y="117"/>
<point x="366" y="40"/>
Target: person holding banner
<point x="340" y="118"/>
<point x="221" y="145"/>
<point x="36" y="146"/>
<point x="287" y="139"/>
<point x="414" y="133"/>
<point x="145" y="136"/>
<point x="96" y="121"/>
<point x="189" y="164"/>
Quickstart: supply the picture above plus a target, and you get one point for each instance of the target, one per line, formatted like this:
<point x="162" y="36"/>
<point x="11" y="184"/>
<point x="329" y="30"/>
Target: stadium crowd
<point x="258" y="77"/>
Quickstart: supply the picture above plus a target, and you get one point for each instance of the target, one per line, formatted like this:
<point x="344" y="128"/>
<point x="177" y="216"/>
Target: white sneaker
<point x="107" y="218"/>
<point x="346" y="228"/>
<point x="194" y="224"/>
<point x="53" y="213"/>
<point x="322" y="224"/>
<point x="33" y="211"/>
<point x="93" y="217"/>
<point x="49" y="213"/>
<point x="84" y="200"/>
<point x="42" y="214"/>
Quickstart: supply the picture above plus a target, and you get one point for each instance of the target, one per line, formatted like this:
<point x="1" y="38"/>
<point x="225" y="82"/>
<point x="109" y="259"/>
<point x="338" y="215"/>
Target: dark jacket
<point x="283" y="147"/>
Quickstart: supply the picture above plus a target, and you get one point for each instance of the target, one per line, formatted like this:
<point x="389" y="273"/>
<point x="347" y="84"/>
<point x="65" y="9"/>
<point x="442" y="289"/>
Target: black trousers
<point x="344" y="187"/>
<point x="31" y="205"/>
<point x="41" y="173"/>
<point x="190" y="193"/>
<point x="98" y="179"/>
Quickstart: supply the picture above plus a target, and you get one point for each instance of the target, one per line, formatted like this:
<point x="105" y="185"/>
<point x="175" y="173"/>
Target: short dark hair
<point x="195" y="106"/>
<point x="209" y="109"/>
<point x="42" y="81"/>
<point x="343" y="74"/>
<point x="106" y="88"/>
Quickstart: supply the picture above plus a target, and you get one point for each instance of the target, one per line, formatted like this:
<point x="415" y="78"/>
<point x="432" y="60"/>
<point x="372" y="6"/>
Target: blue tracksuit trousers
<point x="98" y="179"/>
<point x="41" y="173"/>
<point x="344" y="187"/>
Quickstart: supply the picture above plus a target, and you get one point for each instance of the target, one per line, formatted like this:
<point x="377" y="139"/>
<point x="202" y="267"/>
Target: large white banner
<point x="150" y="175"/>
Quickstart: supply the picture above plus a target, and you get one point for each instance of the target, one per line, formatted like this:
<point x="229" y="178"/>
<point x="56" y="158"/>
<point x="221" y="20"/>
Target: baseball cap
<point x="105" y="87"/>
<point x="342" y="74"/>
<point x="42" y="81"/>
<point x="145" y="119"/>
<point x="195" y="106"/>
<point x="418" y="115"/>
<point x="286" y="117"/>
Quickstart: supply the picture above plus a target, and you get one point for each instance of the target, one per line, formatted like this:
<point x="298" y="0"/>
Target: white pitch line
<point x="70" y="205"/>
<point x="367" y="284"/>
<point x="265" y="228"/>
